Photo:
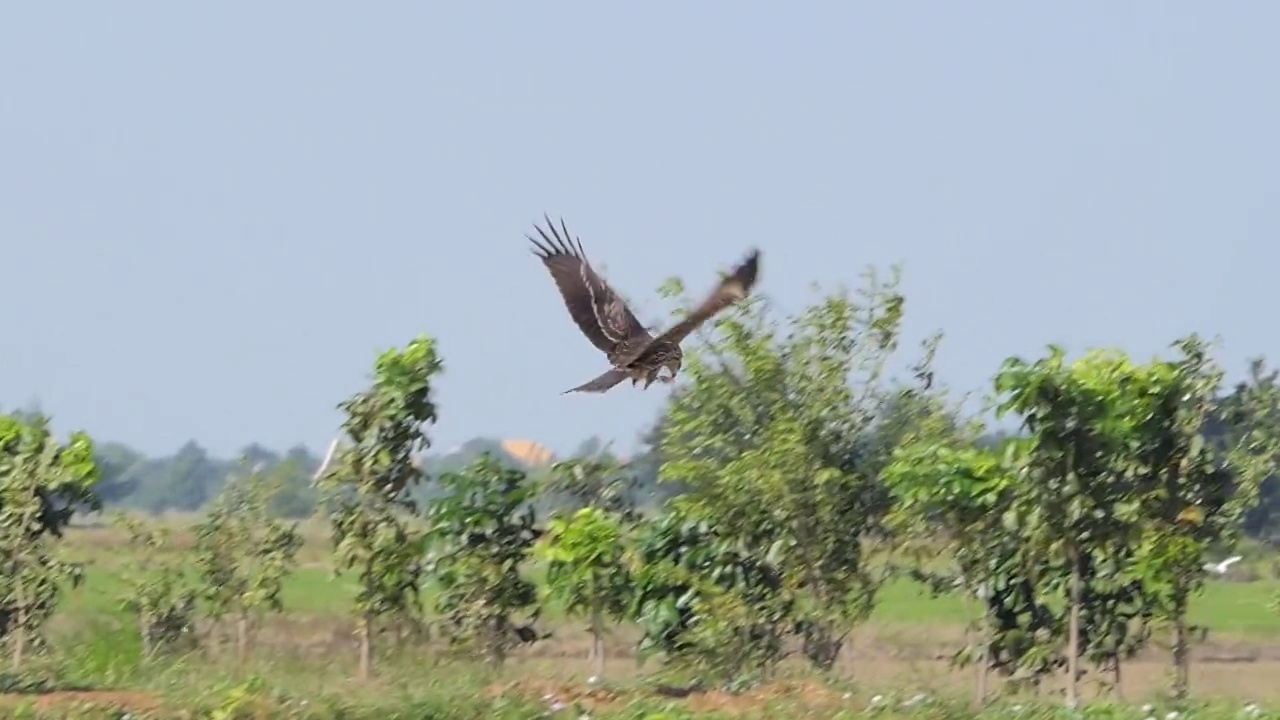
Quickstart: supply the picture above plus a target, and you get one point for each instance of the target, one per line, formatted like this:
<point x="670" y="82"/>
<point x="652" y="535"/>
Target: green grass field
<point x="303" y="662"/>
<point x="1235" y="609"/>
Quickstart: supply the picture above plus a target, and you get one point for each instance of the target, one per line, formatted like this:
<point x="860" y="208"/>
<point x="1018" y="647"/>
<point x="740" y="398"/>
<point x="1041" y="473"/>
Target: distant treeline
<point x="188" y="479"/>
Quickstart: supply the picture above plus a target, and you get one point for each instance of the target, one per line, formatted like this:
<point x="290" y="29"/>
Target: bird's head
<point x="672" y="366"/>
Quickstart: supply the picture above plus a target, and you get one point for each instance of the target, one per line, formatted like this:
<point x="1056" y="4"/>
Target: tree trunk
<point x="1181" y="662"/>
<point x="19" y="628"/>
<point x="144" y="631"/>
<point x="984" y="660"/>
<point x="19" y="647"/>
<point x="366" y="647"/>
<point x="980" y="694"/>
<point x="497" y="646"/>
<point x="597" y="641"/>
<point x="1073" y="634"/>
<point x="242" y="638"/>
<point x="366" y="628"/>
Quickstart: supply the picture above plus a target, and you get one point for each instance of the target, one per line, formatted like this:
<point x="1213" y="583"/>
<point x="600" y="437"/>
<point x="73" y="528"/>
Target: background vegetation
<point x="814" y="527"/>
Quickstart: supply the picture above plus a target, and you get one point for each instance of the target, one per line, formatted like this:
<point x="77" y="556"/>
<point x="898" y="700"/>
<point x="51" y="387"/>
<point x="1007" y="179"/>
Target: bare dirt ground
<point x="917" y="660"/>
<point x="304" y="652"/>
<point x="126" y="701"/>
<point x="879" y="660"/>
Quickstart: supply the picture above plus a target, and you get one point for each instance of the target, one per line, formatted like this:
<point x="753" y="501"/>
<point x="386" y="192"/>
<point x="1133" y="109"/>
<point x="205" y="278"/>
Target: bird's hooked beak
<point x="673" y="368"/>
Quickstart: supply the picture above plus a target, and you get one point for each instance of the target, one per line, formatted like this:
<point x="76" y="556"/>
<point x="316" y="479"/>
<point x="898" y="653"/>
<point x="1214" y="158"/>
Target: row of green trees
<point x="231" y="576"/>
<point x="189" y="479"/>
<point x="806" y="472"/>
<point x="808" y="477"/>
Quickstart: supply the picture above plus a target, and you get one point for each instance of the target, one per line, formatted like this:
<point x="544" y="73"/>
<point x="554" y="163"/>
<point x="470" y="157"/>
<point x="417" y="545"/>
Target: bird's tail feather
<point x="600" y="383"/>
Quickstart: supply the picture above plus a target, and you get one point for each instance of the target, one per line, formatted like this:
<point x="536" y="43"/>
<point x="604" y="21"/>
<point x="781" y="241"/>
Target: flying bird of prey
<point x="603" y="316"/>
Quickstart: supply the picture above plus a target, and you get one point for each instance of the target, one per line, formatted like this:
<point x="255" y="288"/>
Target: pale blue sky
<point x="213" y="215"/>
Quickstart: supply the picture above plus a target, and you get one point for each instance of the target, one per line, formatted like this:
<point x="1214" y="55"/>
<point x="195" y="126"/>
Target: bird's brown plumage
<point x="599" y="312"/>
<point x="604" y="318"/>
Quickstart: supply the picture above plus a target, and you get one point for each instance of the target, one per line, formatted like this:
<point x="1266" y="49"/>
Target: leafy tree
<point x="1254" y="411"/>
<point x="1071" y="497"/>
<point x="646" y="462"/>
<point x="783" y="437"/>
<point x="185" y="481"/>
<point x="371" y="481"/>
<point x="1253" y="407"/>
<point x="482" y="530"/>
<point x="599" y="481"/>
<point x="951" y="498"/>
<point x="42" y="482"/>
<point x="296" y="497"/>
<point x="1109" y="442"/>
<point x="593" y="447"/>
<point x="244" y="555"/>
<point x="586" y="570"/>
<point x="1196" y="491"/>
<point x="161" y="593"/>
<point x="705" y="602"/>
<point x="119" y="469"/>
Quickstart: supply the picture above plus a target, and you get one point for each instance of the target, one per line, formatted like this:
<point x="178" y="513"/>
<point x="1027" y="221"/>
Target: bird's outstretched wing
<point x="601" y="314"/>
<point x="733" y="288"/>
<point x="600" y="383"/>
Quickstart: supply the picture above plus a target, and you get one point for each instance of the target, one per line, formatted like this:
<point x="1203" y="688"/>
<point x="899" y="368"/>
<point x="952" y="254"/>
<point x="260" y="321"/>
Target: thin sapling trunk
<point x="1073" y="634"/>
<point x="597" y="639"/>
